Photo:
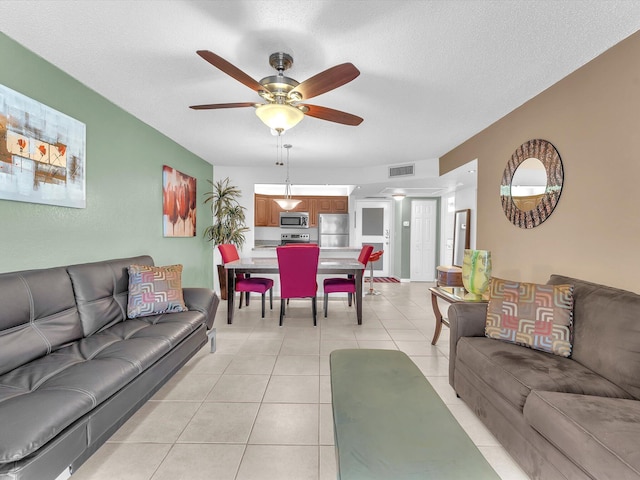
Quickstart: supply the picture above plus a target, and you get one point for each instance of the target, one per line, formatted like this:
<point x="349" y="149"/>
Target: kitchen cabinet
<point x="262" y="210"/>
<point x="332" y="205"/>
<point x="304" y="205"/>
<point x="267" y="212"/>
<point x="323" y="205"/>
<point x="340" y="205"/>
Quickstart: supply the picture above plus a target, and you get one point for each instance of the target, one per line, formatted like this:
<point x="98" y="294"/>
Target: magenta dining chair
<point x="244" y="283"/>
<point x="298" y="269"/>
<point x="348" y="285"/>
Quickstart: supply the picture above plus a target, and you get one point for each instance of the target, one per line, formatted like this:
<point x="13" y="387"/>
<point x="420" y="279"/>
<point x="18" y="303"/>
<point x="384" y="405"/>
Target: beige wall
<point x="593" y="119"/>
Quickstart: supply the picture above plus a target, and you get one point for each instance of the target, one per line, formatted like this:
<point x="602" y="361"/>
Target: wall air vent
<point x="402" y="170"/>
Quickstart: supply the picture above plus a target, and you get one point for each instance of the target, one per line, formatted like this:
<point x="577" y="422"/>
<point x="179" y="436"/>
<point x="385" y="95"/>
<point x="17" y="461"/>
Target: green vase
<point x="476" y="273"/>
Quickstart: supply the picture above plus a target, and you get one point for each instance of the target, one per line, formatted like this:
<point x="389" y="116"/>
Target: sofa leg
<point x="212" y="337"/>
<point x="65" y="475"/>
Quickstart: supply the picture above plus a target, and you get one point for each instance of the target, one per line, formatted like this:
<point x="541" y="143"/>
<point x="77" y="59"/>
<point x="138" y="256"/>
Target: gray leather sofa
<point x="73" y="368"/>
<point x="559" y="418"/>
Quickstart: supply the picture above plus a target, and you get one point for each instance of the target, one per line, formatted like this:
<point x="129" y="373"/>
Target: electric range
<point x="286" y="238"/>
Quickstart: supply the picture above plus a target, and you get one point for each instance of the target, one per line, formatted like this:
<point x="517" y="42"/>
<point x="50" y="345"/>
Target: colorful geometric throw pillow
<point x="155" y="290"/>
<point x="531" y="315"/>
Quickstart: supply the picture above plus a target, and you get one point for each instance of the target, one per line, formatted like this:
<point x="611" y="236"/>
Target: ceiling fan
<point x="284" y="95"/>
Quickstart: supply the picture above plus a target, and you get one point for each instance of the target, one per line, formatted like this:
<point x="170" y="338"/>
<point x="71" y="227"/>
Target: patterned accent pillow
<point x="155" y="290"/>
<point x="531" y="315"/>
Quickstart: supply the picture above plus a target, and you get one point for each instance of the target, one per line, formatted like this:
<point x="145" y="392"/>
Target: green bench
<point x="389" y="423"/>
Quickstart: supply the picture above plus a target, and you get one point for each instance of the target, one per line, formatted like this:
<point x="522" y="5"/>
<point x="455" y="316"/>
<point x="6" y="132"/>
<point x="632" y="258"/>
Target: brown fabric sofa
<point x="559" y="418"/>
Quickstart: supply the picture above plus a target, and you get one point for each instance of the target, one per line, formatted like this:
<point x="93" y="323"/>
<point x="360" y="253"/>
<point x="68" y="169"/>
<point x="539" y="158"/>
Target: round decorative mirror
<point x="531" y="183"/>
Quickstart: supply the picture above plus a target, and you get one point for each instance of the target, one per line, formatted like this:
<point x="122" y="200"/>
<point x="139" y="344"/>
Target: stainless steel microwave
<point x="294" y="219"/>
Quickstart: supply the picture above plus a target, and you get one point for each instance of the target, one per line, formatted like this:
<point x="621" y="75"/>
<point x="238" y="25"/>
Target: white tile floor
<point x="260" y="407"/>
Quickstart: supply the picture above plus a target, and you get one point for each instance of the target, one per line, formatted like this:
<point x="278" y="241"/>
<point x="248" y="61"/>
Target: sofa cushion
<point x="598" y="434"/>
<point x="531" y="315"/>
<point x="101" y="290"/>
<point x="514" y="371"/>
<point x="154" y="290"/>
<point x="606" y="331"/>
<point x="38" y="315"/>
<point x="38" y="400"/>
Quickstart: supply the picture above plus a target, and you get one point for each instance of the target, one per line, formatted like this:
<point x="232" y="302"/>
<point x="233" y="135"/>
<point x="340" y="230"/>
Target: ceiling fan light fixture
<point x="279" y="116"/>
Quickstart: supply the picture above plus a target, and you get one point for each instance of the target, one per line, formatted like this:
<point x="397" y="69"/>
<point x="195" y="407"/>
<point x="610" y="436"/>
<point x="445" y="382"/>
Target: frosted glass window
<point x="373" y="221"/>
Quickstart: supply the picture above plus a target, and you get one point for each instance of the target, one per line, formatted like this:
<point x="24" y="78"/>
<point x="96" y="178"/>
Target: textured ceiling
<point x="433" y="73"/>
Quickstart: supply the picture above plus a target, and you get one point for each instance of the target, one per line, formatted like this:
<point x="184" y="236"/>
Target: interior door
<point x="424" y="216"/>
<point x="372" y="227"/>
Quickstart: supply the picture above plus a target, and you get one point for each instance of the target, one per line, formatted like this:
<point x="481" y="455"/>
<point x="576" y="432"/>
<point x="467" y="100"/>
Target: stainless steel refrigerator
<point x="333" y="229"/>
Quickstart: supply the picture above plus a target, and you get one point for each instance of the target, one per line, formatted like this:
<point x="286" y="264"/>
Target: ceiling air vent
<point x="401" y="170"/>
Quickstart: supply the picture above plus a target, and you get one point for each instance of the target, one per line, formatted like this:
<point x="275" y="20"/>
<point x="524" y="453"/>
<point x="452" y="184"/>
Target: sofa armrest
<point x="465" y="320"/>
<point x="202" y="300"/>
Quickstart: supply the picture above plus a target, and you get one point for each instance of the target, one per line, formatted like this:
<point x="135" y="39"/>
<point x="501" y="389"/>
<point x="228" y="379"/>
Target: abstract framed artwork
<point x="178" y="203"/>
<point x="42" y="153"/>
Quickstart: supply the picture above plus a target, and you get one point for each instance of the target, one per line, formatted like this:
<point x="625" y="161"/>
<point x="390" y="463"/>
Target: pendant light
<point x="287" y="203"/>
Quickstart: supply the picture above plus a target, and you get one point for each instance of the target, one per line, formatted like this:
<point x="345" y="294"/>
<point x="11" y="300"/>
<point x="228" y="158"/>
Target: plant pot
<point x="222" y="277"/>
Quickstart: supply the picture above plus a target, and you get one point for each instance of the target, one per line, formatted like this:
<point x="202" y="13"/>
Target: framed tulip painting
<point x="178" y="203"/>
<point x="42" y="153"/>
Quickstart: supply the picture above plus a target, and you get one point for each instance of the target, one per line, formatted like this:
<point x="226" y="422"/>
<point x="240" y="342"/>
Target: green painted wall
<point x="125" y="156"/>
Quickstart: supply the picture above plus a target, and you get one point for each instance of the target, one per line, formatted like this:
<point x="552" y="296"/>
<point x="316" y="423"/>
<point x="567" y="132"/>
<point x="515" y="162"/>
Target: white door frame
<point x="385" y="240"/>
<point x="424" y="240"/>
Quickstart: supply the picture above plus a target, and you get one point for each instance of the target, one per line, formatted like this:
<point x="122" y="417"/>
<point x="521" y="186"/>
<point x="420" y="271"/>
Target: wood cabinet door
<point x="313" y="212"/>
<point x="274" y="214"/>
<point x="323" y="204"/>
<point x="303" y="206"/>
<point x="340" y="205"/>
<point x="262" y="210"/>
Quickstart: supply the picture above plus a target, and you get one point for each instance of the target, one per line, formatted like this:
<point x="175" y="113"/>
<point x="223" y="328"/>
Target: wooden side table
<point x="449" y="295"/>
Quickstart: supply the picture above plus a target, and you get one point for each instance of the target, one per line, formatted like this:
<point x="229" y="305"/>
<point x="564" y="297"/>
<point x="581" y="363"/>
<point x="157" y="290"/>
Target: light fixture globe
<point x="279" y="116"/>
<point x="287" y="203"/>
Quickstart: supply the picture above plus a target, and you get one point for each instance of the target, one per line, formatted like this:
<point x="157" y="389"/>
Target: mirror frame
<point x="550" y="158"/>
<point x="467" y="234"/>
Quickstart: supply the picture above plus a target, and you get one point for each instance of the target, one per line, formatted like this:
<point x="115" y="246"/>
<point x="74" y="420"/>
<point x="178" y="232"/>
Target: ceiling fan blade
<point x="323" y="82"/>
<point x="230" y="69"/>
<point x="331" y="115"/>
<point x="213" y="106"/>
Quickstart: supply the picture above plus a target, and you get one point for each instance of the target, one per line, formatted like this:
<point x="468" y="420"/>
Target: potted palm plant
<point x="229" y="221"/>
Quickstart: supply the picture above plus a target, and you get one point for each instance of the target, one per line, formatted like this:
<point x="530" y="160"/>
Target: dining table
<point x="251" y="265"/>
